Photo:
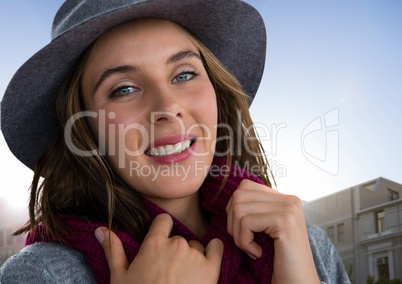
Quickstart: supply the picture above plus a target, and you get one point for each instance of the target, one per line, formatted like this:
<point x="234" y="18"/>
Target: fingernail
<point x="251" y="256"/>
<point x="99" y="235"/>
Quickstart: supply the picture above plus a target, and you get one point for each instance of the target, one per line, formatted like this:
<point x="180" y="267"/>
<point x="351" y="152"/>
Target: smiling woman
<point x="147" y="164"/>
<point x="149" y="75"/>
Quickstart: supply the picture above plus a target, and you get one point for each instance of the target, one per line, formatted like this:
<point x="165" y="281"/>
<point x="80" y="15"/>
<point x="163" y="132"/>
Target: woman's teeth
<point x="169" y="149"/>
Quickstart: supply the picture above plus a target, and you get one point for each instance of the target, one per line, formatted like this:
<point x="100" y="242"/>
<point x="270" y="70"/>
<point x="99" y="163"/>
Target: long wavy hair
<point x="87" y="187"/>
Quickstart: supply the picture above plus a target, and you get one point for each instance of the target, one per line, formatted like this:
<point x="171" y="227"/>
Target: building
<point x="11" y="219"/>
<point x="9" y="245"/>
<point x="365" y="225"/>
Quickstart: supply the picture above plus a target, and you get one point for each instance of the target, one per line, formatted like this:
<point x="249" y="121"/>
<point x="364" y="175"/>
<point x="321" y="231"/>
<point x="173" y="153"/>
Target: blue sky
<point x="338" y="58"/>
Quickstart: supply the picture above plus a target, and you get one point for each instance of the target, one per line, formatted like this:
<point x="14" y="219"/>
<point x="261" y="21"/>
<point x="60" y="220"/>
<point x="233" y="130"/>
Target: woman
<point x="152" y="169"/>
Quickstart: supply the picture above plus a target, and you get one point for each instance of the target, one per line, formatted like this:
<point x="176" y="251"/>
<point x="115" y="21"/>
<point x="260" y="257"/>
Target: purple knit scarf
<point x="237" y="267"/>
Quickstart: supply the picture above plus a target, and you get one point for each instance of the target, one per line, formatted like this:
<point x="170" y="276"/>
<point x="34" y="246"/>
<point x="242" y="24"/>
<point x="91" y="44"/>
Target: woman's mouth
<point x="165" y="150"/>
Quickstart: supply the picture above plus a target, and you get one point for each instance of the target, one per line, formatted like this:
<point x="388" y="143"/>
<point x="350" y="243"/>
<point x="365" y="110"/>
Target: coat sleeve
<point x="329" y="265"/>
<point x="46" y="263"/>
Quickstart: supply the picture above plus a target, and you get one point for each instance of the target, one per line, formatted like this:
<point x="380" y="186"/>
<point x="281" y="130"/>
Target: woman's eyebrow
<point x="182" y="55"/>
<point x="111" y="71"/>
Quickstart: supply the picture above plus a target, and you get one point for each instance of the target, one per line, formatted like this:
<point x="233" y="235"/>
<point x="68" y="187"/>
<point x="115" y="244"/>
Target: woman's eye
<point x="123" y="91"/>
<point x="185" y="76"/>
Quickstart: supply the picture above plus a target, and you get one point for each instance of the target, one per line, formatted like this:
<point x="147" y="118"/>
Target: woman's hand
<point x="163" y="259"/>
<point x="258" y="208"/>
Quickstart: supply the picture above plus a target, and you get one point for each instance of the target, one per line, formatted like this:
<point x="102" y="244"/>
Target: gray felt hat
<point x="233" y="30"/>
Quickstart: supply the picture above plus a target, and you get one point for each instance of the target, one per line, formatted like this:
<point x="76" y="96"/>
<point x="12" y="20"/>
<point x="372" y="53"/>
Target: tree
<point x="370" y="280"/>
<point x="382" y="280"/>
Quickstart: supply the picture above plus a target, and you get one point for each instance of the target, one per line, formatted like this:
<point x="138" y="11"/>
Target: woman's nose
<point x="167" y="106"/>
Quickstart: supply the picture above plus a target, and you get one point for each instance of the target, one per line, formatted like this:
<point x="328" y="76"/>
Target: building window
<point x="382" y="266"/>
<point x="380" y="222"/>
<point x="330" y="232"/>
<point x="392" y="195"/>
<point x="341" y="232"/>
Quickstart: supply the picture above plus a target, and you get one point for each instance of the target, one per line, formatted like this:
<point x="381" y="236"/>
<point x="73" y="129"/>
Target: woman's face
<point x="156" y="110"/>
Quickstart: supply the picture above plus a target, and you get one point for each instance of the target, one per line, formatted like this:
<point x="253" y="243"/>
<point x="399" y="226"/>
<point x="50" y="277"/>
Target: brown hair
<point x="89" y="189"/>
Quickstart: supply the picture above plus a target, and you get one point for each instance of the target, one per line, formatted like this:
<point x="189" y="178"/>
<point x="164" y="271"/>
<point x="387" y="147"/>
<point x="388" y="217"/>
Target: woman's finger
<point x="214" y="252"/>
<point x="162" y="224"/>
<point x="236" y="216"/>
<point x="256" y="192"/>
<point x="113" y="249"/>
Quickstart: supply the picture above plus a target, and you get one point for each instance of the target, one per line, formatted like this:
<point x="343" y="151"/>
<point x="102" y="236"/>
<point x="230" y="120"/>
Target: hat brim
<point x="233" y="30"/>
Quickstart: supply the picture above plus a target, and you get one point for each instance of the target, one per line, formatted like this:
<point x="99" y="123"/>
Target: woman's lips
<point x="172" y="149"/>
<point x="169" y="149"/>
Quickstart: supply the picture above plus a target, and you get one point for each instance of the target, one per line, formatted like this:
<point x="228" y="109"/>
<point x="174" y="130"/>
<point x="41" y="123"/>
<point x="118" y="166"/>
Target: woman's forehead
<point x="140" y="36"/>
